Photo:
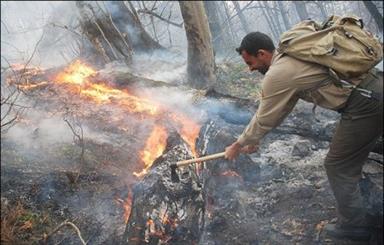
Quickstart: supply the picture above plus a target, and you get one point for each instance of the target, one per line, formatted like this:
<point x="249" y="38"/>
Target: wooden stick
<point x="200" y="159"/>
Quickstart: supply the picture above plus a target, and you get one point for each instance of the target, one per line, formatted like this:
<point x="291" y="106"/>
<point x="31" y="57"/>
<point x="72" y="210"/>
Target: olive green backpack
<point x="340" y="43"/>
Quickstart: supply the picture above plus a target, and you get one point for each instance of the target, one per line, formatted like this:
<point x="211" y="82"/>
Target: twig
<point x="71" y="225"/>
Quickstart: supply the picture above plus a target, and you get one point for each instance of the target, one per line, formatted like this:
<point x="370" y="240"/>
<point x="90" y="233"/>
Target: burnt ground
<point x="280" y="195"/>
<point x="41" y="188"/>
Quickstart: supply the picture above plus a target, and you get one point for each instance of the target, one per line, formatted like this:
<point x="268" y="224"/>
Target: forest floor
<point x="38" y="192"/>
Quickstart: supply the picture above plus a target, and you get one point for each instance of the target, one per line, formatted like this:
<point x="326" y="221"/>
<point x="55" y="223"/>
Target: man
<point x="286" y="81"/>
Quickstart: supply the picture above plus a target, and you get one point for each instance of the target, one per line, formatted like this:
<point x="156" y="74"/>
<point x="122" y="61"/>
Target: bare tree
<point x="228" y="21"/>
<point x="11" y="108"/>
<point x="377" y="16"/>
<point x="269" y="21"/>
<point x="323" y="11"/>
<point x="301" y="9"/>
<point x="274" y="18"/>
<point x="284" y="15"/>
<point x="74" y="123"/>
<point x="201" y="63"/>
<point x="242" y="18"/>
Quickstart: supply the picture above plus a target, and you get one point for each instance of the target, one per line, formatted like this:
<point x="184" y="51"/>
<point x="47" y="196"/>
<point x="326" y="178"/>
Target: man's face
<point x="256" y="62"/>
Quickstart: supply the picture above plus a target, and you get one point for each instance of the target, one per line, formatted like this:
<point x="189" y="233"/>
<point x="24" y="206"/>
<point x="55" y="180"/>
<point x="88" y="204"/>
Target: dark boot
<point x="350" y="232"/>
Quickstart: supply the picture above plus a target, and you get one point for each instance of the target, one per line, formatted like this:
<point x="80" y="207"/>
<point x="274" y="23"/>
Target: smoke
<point x="161" y="66"/>
<point x="38" y="128"/>
<point x="37" y="29"/>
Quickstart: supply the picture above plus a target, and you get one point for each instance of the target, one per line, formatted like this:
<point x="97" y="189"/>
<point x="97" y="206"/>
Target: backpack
<point x="340" y="43"/>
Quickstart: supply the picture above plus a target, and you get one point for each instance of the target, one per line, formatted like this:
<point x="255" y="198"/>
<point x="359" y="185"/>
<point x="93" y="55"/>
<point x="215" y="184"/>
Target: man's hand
<point x="232" y="151"/>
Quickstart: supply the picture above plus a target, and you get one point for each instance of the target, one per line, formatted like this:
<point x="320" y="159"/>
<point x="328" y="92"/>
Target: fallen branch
<point x="62" y="225"/>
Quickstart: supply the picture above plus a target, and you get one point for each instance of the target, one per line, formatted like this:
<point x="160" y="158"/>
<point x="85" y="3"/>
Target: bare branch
<point x="247" y="7"/>
<point x="147" y="11"/>
<point x="9" y="122"/>
<point x="5" y="26"/>
<point x="34" y="51"/>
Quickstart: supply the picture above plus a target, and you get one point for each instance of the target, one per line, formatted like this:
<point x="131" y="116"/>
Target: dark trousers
<point x="355" y="136"/>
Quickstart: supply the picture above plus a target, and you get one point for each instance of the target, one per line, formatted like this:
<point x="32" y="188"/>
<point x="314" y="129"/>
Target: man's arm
<point x="278" y="100"/>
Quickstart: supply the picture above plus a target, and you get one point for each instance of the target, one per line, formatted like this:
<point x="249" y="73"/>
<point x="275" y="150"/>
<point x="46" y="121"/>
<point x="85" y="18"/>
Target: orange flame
<point x="26" y="87"/>
<point x="189" y="130"/>
<point x="75" y="73"/>
<point x="230" y="173"/>
<point x="154" y="147"/>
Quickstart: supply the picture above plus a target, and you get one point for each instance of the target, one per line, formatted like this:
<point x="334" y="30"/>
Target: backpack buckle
<point x="364" y="92"/>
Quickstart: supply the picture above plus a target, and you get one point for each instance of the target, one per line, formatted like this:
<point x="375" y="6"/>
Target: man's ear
<point x="263" y="52"/>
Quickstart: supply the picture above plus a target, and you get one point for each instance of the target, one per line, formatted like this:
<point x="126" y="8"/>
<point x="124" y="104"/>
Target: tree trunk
<point x="284" y="15"/>
<point x="301" y="10"/>
<point x="242" y="18"/>
<point x="375" y="14"/>
<point x="218" y="34"/>
<point x="201" y="63"/>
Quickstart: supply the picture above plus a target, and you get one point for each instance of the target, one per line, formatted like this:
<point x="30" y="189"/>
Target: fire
<point x="75" y="73"/>
<point x="26" y="87"/>
<point x="189" y="131"/>
<point x="154" y="147"/>
<point x="172" y="223"/>
<point x="76" y="79"/>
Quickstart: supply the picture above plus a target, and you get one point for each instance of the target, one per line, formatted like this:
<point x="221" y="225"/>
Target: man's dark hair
<point x="254" y="41"/>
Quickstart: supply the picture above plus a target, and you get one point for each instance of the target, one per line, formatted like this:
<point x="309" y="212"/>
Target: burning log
<point x="162" y="211"/>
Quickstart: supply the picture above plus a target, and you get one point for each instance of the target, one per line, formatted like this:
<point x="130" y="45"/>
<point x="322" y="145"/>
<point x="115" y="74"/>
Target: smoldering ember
<point x="103" y="101"/>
